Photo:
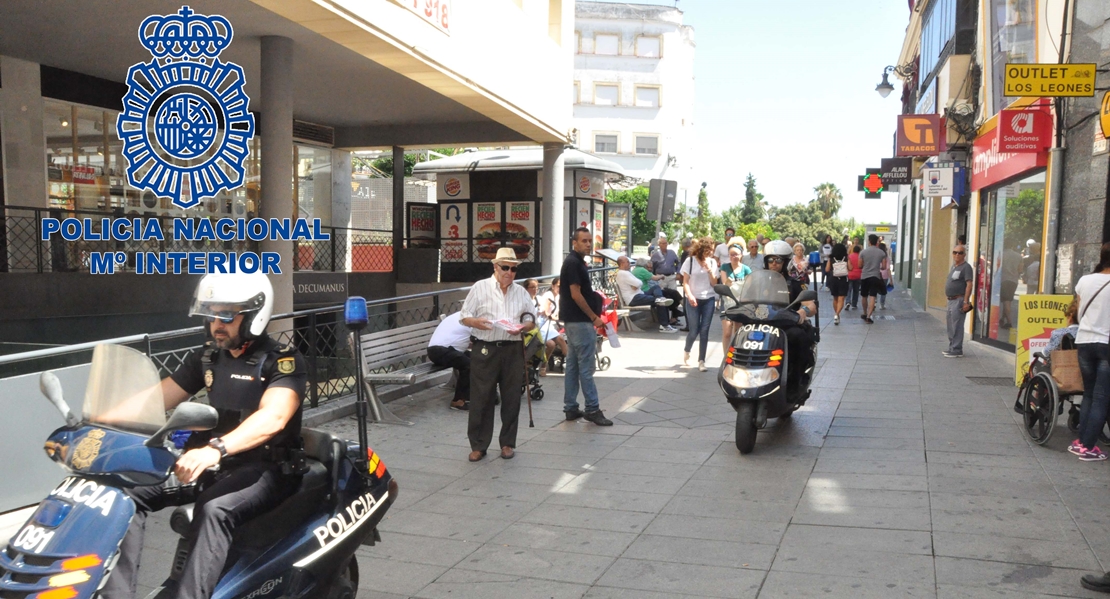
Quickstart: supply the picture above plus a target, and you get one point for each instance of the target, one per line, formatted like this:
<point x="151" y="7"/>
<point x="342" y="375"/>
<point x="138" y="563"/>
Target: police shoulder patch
<point x="286" y="365"/>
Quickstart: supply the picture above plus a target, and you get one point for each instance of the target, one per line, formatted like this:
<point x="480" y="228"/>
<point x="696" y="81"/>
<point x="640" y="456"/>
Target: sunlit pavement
<point x="899" y="478"/>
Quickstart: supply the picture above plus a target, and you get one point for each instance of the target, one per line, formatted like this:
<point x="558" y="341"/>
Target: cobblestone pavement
<point x="900" y="478"/>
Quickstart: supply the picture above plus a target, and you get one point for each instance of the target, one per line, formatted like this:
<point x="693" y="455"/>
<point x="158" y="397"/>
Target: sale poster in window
<point x="487" y="230"/>
<point x="520" y="229"/>
<point x="453" y="232"/>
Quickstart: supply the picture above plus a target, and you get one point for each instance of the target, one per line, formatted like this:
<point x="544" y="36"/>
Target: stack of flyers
<point x="513" y="328"/>
<point x="611" y="333"/>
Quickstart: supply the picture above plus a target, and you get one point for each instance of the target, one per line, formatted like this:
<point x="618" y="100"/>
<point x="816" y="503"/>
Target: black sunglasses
<point x="226" y="317"/>
<point x="960" y="253"/>
<point x="774" y="259"/>
<point x="506" y="268"/>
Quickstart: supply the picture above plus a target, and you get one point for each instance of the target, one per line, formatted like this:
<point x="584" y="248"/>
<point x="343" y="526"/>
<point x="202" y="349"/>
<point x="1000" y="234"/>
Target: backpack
<point x="840" y="268"/>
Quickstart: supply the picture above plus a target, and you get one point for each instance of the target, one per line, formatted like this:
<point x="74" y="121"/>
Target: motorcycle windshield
<point x="124" y="391"/>
<point x="765" y="288"/>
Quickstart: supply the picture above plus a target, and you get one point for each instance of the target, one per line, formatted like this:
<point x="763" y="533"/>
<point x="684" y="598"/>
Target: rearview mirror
<point x="189" y="416"/>
<point x="51" y="387"/>
<point x="807" y="295"/>
<point x="724" y="290"/>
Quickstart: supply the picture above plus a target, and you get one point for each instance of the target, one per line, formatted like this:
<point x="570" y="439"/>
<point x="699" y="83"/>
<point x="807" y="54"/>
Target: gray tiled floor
<point x="899" y="478"/>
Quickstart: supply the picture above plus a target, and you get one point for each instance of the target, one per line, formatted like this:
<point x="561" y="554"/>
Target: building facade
<point x="634" y="88"/>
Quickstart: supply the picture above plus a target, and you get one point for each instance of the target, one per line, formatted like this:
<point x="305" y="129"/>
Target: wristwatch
<point x="218" y="444"/>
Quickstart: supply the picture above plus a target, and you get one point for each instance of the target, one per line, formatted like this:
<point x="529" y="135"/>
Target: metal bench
<point x="395" y="362"/>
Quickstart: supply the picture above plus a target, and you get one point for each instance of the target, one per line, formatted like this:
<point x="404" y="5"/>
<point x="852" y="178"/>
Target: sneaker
<point x="882" y="307"/>
<point x="1093" y="454"/>
<point x="948" y="354"/>
<point x="667" y="329"/>
<point x="701" y="366"/>
<point x="598" y="417"/>
<point x="573" y="414"/>
<point x="1076" y="448"/>
<point x="868" y="320"/>
<point x="836" y="320"/>
<point x="663" y="301"/>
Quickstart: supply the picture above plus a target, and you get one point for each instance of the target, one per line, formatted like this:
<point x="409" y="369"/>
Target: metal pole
<point x="360" y="400"/>
<point x="1052" y="210"/>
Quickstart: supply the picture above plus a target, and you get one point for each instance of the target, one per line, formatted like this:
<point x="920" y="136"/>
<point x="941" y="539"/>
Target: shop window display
<point x="1008" y="265"/>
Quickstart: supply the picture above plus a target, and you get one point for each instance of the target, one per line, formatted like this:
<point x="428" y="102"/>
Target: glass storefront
<point x="312" y="183"/>
<point x="1008" y="264"/>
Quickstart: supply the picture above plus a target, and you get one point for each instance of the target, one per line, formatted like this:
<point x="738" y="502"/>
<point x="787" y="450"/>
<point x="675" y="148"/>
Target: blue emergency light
<point x="354" y="312"/>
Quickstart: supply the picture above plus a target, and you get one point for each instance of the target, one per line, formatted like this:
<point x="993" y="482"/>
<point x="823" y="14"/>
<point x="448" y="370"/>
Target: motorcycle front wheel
<point x="745" y="427"/>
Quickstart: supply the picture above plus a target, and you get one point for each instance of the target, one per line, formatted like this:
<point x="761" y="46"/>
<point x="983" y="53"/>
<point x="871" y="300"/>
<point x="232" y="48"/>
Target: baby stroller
<point x="1041" y="398"/>
<point x="534" y="355"/>
<point x="609" y="315"/>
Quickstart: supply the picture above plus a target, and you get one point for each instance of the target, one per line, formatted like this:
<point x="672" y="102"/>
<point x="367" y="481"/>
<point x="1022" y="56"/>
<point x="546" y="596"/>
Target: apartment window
<point x="607" y="43"/>
<point x="647" y="144"/>
<point x="606" y="143"/>
<point x="606" y="94"/>
<point x="649" y="46"/>
<point x="647" y="96"/>
<point x="574" y="100"/>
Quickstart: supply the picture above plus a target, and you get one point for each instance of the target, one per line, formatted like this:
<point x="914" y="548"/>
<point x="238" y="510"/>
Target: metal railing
<point x="347" y="250"/>
<point x="320" y="334"/>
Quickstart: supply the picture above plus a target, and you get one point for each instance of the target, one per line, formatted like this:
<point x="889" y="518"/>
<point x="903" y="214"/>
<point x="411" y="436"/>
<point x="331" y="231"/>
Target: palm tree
<point x="828" y="199"/>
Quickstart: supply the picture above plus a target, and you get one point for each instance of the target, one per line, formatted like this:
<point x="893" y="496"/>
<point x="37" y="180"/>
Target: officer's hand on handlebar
<point x="190" y="466"/>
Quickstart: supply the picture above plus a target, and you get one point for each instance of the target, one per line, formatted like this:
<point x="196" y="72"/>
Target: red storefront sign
<point x="1024" y="130"/>
<point x="990" y="165"/>
<point x="920" y="135"/>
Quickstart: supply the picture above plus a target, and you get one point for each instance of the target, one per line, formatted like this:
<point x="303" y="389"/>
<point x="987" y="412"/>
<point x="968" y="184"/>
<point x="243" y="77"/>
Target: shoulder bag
<point x="1064" y="363"/>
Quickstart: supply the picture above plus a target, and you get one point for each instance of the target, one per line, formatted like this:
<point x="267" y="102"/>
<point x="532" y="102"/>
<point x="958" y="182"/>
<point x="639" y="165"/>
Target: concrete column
<point x="276" y="130"/>
<point x="341" y="201"/>
<point x="398" y="203"/>
<point x="21" y="133"/>
<point x="553" y="233"/>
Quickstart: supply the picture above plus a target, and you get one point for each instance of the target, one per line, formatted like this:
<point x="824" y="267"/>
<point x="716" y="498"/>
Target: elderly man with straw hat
<point x="497" y="311"/>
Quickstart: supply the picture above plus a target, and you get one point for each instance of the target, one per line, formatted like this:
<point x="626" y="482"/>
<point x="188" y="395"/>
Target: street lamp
<point x="884" y="87"/>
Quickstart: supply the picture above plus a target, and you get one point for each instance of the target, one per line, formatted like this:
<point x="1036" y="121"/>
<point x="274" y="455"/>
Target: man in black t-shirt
<point x="257" y="387"/>
<point x="579" y="307"/>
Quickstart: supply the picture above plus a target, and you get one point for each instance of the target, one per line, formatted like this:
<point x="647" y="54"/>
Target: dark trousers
<point x="648" y="299"/>
<point x="853" y="293"/>
<point x="676" y="307"/>
<point x="452" y="358"/>
<point x="799" y="344"/>
<point x="243" y="493"/>
<point x="494" y="367"/>
<point x="1095" y="367"/>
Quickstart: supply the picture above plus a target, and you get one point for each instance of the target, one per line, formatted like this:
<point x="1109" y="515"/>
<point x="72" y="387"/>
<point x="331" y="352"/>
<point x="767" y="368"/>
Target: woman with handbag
<point x="699" y="274"/>
<point x="837" y="276"/>
<point x="1093" y="343"/>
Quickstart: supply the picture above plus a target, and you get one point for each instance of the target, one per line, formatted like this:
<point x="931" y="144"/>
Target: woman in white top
<point x="699" y="274"/>
<point x="547" y="305"/>
<point x="826" y="255"/>
<point x="1093" y="343"/>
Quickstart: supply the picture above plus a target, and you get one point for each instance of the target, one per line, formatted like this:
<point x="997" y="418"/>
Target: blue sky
<point x="785" y="89"/>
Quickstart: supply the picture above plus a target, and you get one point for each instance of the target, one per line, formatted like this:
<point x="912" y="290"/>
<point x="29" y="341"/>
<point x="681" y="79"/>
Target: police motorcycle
<point x="303" y="548"/>
<point x="756" y="376"/>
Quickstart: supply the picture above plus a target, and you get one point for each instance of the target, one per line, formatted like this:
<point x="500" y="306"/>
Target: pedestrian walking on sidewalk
<point x="826" y="253"/>
<point x="853" y="278"/>
<point x="886" y="277"/>
<point x="753" y="259"/>
<point x="450" y="347"/>
<point x="498" y="311"/>
<point x="837" y="276"/>
<point x="871" y="260"/>
<point x="699" y="274"/>
<point x="720" y="254"/>
<point x="580" y="307"/>
<point x="1093" y="343"/>
<point x="958" y="291"/>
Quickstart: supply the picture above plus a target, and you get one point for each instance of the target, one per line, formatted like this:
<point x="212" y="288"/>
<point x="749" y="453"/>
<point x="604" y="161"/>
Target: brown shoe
<point x="507" y="453"/>
<point x="476" y="456"/>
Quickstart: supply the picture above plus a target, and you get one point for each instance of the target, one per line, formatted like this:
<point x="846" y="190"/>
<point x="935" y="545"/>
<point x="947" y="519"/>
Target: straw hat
<point x="506" y="256"/>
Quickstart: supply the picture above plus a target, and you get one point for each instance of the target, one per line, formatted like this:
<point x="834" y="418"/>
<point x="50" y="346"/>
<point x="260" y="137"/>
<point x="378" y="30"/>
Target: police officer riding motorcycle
<point x="774" y="344"/>
<point x="252" y="460"/>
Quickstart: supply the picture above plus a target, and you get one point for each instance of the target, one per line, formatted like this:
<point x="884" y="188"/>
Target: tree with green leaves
<point x="828" y="199"/>
<point x="703" y="222"/>
<point x="753" y="210"/>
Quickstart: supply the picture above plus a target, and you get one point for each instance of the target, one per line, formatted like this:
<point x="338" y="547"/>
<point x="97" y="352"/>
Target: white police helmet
<point x="221" y="295"/>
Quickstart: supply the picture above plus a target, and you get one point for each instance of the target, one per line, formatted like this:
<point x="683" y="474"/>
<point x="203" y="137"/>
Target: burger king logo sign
<point x="452" y="186"/>
<point x="584" y="185"/>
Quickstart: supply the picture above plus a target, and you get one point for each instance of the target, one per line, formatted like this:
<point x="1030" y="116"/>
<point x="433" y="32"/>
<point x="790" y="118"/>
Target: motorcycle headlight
<point x="743" y="378"/>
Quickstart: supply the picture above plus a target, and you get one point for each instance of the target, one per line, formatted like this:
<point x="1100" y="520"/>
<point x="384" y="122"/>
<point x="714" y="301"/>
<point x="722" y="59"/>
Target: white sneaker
<point x="667" y="329"/>
<point x="836" y="320"/>
<point x="701" y="367"/>
<point x="685" y="358"/>
<point x="663" y="301"/>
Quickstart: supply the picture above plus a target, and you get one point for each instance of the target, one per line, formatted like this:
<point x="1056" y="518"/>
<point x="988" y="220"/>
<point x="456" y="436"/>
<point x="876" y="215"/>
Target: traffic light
<point x="871" y="184"/>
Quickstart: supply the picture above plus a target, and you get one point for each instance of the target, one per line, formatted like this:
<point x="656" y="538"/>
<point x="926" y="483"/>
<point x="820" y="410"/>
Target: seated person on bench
<point x="450" y="347"/>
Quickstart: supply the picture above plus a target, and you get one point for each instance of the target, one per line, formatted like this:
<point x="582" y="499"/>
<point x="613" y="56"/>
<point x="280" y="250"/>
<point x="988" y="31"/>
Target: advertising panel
<point x="520" y="229"/>
<point x="1050" y="80"/>
<point x="452" y="186"/>
<point x="620" y="239"/>
<point x="453" y="231"/>
<point x="589" y="184"/>
<point x="896" y="171"/>
<point x="422" y="225"/>
<point x="990" y="165"/>
<point x="1104" y="115"/>
<point x="938" y="181"/>
<point x="920" y="135"/>
<point x="487" y="230"/>
<point x="1024" y="130"/>
<point x="1038" y="316"/>
<point x="599" y="228"/>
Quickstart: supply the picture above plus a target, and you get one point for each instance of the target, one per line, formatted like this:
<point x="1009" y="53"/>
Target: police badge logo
<point x="87" y="450"/>
<point x="286" y="365"/>
<point x="185" y="124"/>
<point x="208" y="377"/>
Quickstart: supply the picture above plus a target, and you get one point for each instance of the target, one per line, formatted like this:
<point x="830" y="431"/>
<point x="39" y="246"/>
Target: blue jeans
<point x="1095" y="367"/>
<point x="853" y="293"/>
<point x="698" y="319"/>
<point x="582" y="343"/>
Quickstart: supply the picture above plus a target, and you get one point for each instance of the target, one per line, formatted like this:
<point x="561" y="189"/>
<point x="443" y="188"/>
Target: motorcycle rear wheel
<point x="345" y="585"/>
<point x="745" y="427"/>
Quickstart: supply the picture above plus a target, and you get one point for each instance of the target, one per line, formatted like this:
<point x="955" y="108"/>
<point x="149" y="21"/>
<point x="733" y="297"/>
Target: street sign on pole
<point x="871" y="184"/>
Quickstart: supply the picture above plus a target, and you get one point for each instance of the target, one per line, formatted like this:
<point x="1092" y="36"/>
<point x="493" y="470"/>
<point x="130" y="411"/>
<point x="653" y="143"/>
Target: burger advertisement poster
<point x="422" y="225"/>
<point x="487" y="229"/>
<point x="519" y="228"/>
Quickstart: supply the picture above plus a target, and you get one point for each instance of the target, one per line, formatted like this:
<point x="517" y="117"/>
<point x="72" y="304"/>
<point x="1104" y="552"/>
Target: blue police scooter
<point x="303" y="548"/>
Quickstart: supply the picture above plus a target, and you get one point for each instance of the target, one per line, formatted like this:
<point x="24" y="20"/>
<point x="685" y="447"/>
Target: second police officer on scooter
<point x="257" y="386"/>
<point x="802" y="338"/>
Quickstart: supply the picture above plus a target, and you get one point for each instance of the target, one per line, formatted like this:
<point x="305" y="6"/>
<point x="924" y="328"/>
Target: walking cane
<point x="527" y="375"/>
